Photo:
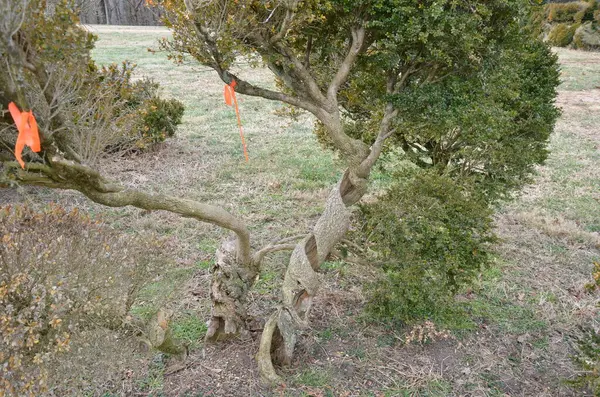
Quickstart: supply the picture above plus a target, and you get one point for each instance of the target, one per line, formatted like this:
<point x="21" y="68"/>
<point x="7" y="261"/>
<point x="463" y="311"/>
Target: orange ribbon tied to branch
<point x="230" y="99"/>
<point x="28" y="132"/>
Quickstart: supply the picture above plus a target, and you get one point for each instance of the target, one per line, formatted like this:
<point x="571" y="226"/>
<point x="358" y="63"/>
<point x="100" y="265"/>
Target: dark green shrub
<point x="562" y="34"/>
<point x="158" y="120"/>
<point x="475" y="140"/>
<point x="60" y="272"/>
<point x="433" y="236"/>
<point x="493" y="128"/>
<point x="587" y="361"/>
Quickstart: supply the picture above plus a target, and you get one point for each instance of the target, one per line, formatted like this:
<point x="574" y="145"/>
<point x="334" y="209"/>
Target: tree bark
<point x="301" y="282"/>
<point x="106" y="11"/>
<point x="230" y="282"/>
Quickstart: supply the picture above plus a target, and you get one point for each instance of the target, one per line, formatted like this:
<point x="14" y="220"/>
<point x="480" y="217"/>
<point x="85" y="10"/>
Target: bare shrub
<point x="60" y="272"/>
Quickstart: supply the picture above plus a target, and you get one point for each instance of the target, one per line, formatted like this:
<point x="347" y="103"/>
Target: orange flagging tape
<point x="28" y="131"/>
<point x="230" y="99"/>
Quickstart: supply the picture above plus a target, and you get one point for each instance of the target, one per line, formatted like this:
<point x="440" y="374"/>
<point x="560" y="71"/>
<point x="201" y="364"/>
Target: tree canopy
<point x="467" y="84"/>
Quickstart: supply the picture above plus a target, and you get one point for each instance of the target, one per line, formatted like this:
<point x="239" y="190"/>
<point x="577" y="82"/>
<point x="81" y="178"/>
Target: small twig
<point x="353" y="244"/>
<point x="271" y="14"/>
<point x="259" y="256"/>
<point x="191" y="364"/>
<point x="288" y="239"/>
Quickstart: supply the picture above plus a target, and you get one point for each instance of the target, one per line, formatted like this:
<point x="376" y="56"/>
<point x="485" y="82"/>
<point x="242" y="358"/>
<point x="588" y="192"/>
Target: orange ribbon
<point x="28" y="132"/>
<point x="230" y="99"/>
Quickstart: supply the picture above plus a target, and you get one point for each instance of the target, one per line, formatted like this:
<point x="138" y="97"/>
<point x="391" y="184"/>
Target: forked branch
<point x="358" y="39"/>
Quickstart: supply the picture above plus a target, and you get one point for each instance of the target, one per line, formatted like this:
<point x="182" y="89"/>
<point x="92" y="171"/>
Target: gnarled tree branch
<point x="67" y="174"/>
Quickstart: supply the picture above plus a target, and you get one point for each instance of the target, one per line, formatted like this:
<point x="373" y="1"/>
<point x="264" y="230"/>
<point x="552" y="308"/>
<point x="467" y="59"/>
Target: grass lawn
<point x="522" y="316"/>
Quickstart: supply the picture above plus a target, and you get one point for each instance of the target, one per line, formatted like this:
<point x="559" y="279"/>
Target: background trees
<point x="118" y="12"/>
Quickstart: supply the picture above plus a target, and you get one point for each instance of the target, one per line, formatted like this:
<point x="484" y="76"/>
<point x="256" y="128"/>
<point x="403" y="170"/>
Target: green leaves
<point x="433" y="234"/>
<point x="492" y="125"/>
<point x="587" y="360"/>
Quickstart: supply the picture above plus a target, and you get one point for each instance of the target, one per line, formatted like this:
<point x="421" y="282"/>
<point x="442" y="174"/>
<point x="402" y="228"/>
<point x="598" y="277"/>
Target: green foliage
<point x="153" y="119"/>
<point x="433" y="234"/>
<point x="475" y="139"/>
<point x="492" y="126"/>
<point x="159" y="120"/>
<point x="60" y="271"/>
<point x="562" y="34"/>
<point x="565" y="12"/>
<point x="587" y="361"/>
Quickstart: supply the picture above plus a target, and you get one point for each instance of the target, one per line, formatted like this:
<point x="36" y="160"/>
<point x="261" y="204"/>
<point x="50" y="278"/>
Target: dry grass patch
<point x="580" y="69"/>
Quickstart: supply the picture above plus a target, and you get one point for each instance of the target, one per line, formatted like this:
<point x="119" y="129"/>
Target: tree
<point x="367" y="70"/>
<point x="377" y="73"/>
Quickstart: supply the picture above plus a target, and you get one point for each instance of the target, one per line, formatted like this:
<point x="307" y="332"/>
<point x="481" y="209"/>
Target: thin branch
<point x="271" y="14"/>
<point x="289" y="15"/>
<point x="303" y="74"/>
<point x="353" y="245"/>
<point x="18" y="27"/>
<point x="385" y="131"/>
<point x="307" y="52"/>
<point x="288" y="239"/>
<point x="354" y="259"/>
<point x="67" y="174"/>
<point x="259" y="256"/>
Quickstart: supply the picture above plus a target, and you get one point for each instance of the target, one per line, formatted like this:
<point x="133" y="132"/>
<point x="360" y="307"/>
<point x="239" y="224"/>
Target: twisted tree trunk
<point x="232" y="277"/>
<point x="301" y="282"/>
